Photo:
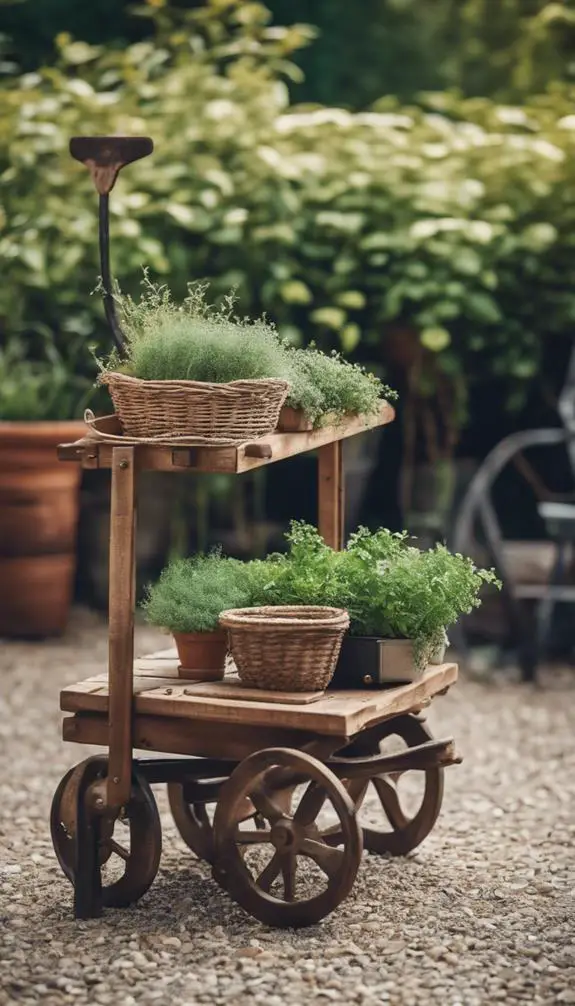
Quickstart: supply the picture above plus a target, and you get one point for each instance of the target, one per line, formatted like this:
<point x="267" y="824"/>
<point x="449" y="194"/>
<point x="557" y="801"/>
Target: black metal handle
<point x="105" y="156"/>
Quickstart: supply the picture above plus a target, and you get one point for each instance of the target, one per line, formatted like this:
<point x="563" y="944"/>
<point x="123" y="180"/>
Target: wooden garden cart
<point x="286" y="775"/>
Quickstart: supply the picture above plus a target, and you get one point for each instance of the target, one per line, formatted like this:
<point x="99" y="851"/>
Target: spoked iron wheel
<point x="130" y="846"/>
<point x="403" y="828"/>
<point x="283" y="873"/>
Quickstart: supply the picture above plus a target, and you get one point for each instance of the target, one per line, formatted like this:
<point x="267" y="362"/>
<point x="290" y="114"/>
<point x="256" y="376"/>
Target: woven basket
<point x="285" y="649"/>
<point x="205" y="412"/>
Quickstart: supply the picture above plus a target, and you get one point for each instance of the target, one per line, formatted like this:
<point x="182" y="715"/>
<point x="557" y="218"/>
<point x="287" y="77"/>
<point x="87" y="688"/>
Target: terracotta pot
<point x="39" y="502"/>
<point x="293" y="420"/>
<point x="202" y="655"/>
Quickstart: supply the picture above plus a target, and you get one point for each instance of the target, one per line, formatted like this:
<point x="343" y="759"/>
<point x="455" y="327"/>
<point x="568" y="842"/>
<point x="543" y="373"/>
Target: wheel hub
<point x="285" y="836"/>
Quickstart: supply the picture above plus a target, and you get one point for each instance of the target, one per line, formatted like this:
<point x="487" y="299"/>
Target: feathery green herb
<point x="191" y="593"/>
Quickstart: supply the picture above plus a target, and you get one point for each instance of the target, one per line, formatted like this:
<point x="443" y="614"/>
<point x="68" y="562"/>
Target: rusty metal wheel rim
<point x="292" y="836"/>
<point x="143" y="857"/>
<point x="408" y="832"/>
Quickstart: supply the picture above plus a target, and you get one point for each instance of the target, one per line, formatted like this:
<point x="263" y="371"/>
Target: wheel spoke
<point x="357" y="788"/>
<point x="265" y="805"/>
<point x="389" y="799"/>
<point x="289" y="866"/>
<point x="328" y="859"/>
<point x="310" y="804"/>
<point x="120" y="851"/>
<point x="269" y="874"/>
<point x="253" y="837"/>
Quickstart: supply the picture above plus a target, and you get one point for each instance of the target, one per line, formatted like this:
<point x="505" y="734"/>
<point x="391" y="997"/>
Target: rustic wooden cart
<point x="269" y="764"/>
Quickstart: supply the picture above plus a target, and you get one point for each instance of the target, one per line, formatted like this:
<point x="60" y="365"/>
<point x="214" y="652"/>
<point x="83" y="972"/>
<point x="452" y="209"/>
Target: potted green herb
<point x="401" y="600"/>
<point x="193" y="371"/>
<point x="39" y="496"/>
<point x="327" y="388"/>
<point x="188" y="599"/>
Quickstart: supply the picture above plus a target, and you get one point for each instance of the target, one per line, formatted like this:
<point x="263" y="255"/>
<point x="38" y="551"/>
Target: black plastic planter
<point x="371" y="662"/>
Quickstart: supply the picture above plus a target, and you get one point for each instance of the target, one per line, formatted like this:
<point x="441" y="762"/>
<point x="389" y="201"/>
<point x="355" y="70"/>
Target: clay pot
<point x="202" y="655"/>
<point x="39" y="502"/>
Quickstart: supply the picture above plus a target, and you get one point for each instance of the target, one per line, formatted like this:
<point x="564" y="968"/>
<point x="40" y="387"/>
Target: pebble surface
<point x="483" y="912"/>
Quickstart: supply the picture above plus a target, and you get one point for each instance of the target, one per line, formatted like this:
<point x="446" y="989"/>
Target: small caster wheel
<point x="402" y="830"/>
<point x="131" y="860"/>
<point x="284" y="874"/>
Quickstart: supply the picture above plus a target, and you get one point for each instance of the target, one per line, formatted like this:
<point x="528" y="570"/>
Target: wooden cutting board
<point x="232" y="688"/>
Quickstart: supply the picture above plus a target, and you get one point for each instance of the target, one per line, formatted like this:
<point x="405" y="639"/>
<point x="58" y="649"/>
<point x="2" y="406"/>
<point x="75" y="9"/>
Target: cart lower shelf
<point x="272" y="797"/>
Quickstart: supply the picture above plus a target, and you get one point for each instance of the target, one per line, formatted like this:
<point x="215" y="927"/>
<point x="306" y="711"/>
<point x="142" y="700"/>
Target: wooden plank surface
<point x="226" y="459"/>
<point x="169" y="735"/>
<point x="162" y="693"/>
<point x="233" y="689"/>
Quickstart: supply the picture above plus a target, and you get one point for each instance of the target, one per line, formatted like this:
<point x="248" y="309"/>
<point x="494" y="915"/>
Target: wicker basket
<point x="198" y="410"/>
<point x="285" y="649"/>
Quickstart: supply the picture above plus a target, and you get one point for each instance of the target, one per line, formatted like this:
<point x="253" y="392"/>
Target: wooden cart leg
<point x="121" y="622"/>
<point x="331" y="505"/>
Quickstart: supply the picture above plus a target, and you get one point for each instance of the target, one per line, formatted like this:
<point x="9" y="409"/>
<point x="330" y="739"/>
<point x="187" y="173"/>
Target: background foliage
<point x="430" y="236"/>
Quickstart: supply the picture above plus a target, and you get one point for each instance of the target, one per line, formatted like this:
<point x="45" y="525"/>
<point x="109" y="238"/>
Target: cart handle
<point x="105" y="156"/>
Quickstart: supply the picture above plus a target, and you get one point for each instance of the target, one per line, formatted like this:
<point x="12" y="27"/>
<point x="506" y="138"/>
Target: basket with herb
<point x="197" y="373"/>
<point x="194" y="372"/>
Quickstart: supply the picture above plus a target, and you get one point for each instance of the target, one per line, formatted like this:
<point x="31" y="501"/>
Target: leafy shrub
<point x="37" y="390"/>
<point x="347" y="228"/>
<point x="191" y="593"/>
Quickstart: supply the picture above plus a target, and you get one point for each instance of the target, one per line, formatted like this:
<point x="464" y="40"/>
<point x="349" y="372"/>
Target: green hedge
<point x="445" y="229"/>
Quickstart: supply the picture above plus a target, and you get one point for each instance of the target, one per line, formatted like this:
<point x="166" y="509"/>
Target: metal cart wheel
<point x="140" y="858"/>
<point x="262" y="868"/>
<point x="405" y="831"/>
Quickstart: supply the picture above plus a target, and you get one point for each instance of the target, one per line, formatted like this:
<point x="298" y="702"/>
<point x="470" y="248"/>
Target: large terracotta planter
<point x="38" y="519"/>
<point x="202" y="655"/>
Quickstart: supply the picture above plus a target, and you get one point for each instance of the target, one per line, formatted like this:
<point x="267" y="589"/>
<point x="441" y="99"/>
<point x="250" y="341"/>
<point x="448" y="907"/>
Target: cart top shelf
<point x="159" y="692"/>
<point x="96" y="453"/>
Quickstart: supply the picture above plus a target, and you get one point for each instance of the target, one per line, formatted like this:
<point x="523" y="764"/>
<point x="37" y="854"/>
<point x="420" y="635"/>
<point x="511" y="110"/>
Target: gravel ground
<point x="482" y="913"/>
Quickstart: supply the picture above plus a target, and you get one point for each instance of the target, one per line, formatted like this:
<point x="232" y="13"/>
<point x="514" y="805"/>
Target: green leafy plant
<point x="327" y="385"/>
<point x="191" y="593"/>
<point x="390" y="588"/>
<point x="40" y="389"/>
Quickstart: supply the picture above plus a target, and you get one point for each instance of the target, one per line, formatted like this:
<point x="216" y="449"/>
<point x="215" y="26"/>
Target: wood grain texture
<point x="330" y="494"/>
<point x="121" y="624"/>
<point x="226" y="459"/>
<point x="234" y="690"/>
<point x="182" y="737"/>
<point x="338" y="712"/>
